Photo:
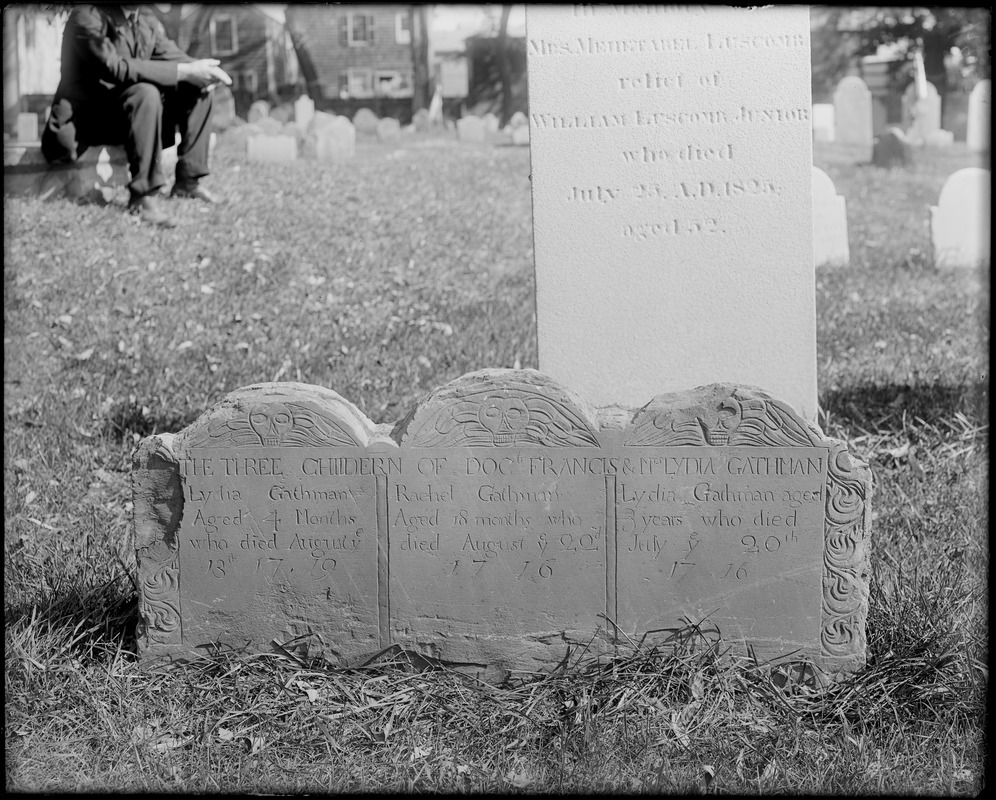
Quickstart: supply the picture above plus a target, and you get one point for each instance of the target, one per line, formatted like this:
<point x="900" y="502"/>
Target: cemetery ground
<point x="382" y="278"/>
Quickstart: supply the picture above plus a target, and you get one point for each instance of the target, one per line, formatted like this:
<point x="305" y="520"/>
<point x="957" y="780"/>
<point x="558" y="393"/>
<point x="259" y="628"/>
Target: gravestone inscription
<point x="501" y="523"/>
<point x="672" y="208"/>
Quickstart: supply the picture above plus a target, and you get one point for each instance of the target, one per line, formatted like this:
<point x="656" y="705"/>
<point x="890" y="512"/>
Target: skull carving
<point x="271" y="423"/>
<point x="505" y="418"/>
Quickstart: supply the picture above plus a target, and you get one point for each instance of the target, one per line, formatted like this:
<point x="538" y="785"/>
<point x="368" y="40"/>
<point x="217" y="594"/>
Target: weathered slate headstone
<point x="830" y="246"/>
<point x="852" y="106"/>
<point x="365" y="121"/>
<point x="961" y="222"/>
<point x="823" y="122"/>
<point x="471" y="129"/>
<point x="672" y="207"/>
<point x="980" y="109"/>
<point x="501" y="523"/>
<point x="278" y="149"/>
<point x="892" y="149"/>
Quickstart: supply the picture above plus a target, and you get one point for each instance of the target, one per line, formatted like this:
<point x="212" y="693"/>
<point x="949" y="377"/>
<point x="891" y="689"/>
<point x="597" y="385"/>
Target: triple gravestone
<point x="503" y="523"/>
<point x="671" y="159"/>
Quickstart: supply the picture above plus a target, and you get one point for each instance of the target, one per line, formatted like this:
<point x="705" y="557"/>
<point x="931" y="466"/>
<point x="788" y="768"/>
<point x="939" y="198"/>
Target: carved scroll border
<point x="747" y="418"/>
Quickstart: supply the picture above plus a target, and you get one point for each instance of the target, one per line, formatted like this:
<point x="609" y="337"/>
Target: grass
<point x="386" y="277"/>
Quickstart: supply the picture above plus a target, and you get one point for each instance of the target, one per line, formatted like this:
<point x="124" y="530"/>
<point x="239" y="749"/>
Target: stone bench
<point x="101" y="169"/>
<point x="27" y="173"/>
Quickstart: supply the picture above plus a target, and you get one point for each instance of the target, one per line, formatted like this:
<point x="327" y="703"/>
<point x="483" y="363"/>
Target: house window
<point x="245" y="80"/>
<point x="393" y="83"/>
<point x="356" y="30"/>
<point x="360" y="82"/>
<point x="402" y="28"/>
<point x="224" y="35"/>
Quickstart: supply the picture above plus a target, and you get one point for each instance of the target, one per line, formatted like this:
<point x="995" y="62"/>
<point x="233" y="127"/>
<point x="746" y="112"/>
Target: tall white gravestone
<point x="672" y="206"/>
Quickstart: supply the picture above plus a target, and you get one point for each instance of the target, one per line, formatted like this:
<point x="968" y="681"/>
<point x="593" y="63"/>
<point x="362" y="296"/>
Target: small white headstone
<point x="365" y="121"/>
<point x="304" y="111"/>
<point x="335" y="141"/>
<point x="27" y="127"/>
<point x="852" y="106"/>
<point x="471" y="129"/>
<point x="823" y="125"/>
<point x="491" y="122"/>
<point x="980" y="108"/>
<point x="388" y="129"/>
<point x="520" y="135"/>
<point x="518" y="120"/>
<point x="277" y="148"/>
<point x="960" y="223"/>
<point x="830" y="246"/>
<point x="258" y="110"/>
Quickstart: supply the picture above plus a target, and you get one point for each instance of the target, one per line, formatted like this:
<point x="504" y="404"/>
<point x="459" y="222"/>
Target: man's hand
<point x="202" y="73"/>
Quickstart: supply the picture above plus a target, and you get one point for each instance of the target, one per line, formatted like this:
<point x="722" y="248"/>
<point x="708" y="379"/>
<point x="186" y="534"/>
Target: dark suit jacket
<point x="101" y="54"/>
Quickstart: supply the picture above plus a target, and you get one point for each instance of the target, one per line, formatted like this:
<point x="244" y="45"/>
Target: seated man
<point x="124" y="82"/>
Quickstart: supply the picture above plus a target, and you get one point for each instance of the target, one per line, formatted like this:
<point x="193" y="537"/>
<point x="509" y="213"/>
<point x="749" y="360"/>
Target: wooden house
<point x="357" y="55"/>
<point x="252" y="44"/>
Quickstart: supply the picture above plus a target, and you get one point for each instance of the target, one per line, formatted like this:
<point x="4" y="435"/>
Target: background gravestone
<point x="960" y="223"/>
<point x="222" y="108"/>
<point x="335" y="141"/>
<point x="830" y="246"/>
<point x="500" y="523"/>
<point x="852" y="106"/>
<point x="304" y="111"/>
<point x="259" y="110"/>
<point x="471" y="129"/>
<point x="923" y="114"/>
<point x="271" y="148"/>
<point x="421" y="121"/>
<point x="823" y="122"/>
<point x="980" y="106"/>
<point x="388" y="129"/>
<point x="672" y="206"/>
<point x="365" y="121"/>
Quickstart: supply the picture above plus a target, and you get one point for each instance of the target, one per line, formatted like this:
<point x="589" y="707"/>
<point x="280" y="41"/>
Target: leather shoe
<point x="194" y="192"/>
<point x="147" y="209"/>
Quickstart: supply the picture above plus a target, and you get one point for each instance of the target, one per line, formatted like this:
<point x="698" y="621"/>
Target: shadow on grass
<point x="89" y="624"/>
<point x="882" y="408"/>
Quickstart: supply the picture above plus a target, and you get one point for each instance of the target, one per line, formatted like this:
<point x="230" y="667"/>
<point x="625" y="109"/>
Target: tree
<point x="420" y="57"/>
<point x="935" y="30"/>
<point x="504" y="67"/>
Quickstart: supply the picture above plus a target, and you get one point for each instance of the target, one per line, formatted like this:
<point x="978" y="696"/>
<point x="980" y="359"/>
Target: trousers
<point x="141" y="117"/>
